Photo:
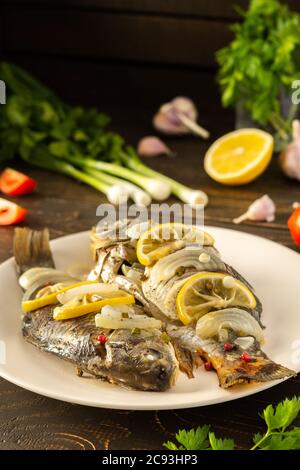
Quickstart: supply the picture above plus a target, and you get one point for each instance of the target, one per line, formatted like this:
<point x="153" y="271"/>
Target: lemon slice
<point x="239" y="157"/>
<point x="67" y="312"/>
<point x="163" y="239"/>
<point x="209" y="291"/>
<point x="50" y="299"/>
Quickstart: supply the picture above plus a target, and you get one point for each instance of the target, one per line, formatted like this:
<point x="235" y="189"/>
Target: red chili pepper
<point x="208" y="365"/>
<point x="294" y="225"/>
<point x="14" y="183"/>
<point x="245" y="357"/>
<point x="11" y="213"/>
<point x="101" y="339"/>
<point x="228" y="346"/>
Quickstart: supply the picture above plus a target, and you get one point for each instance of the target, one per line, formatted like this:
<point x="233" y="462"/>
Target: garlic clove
<point x="289" y="159"/>
<point x="262" y="209"/>
<point x="152" y="147"/>
<point x="179" y="116"/>
<point x="296" y="129"/>
<point x="193" y="126"/>
<point x="179" y="106"/>
<point x="164" y="125"/>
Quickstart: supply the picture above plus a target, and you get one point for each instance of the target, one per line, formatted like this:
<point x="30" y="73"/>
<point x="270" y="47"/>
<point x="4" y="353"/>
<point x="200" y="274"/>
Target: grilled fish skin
<point x="230" y="368"/>
<point x="139" y="361"/>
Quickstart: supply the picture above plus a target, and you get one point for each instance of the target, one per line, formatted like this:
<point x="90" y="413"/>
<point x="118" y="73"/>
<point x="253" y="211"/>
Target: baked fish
<point x="142" y="361"/>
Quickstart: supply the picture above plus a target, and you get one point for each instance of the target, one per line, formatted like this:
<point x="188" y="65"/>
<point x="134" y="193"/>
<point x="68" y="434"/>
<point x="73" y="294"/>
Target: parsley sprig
<point x="261" y="63"/>
<point x="279" y="434"/>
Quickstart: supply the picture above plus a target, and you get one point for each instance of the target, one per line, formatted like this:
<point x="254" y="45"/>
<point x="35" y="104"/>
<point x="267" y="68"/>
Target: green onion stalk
<point x="193" y="197"/>
<point x="156" y="184"/>
<point x="140" y="197"/>
<point x="158" y="189"/>
<point x="113" y="190"/>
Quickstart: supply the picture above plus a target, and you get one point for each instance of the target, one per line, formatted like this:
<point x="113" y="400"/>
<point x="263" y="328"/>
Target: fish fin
<point x="31" y="249"/>
<point x="184" y="358"/>
<point x="262" y="369"/>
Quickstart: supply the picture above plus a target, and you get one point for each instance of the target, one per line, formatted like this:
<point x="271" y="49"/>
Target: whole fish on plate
<point x="224" y="328"/>
<point x="143" y="361"/>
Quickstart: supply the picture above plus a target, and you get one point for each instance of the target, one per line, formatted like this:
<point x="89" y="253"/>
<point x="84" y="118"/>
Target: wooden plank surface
<point x="89" y="34"/>
<point x="194" y="8"/>
<point x="30" y="421"/>
<point x="137" y="86"/>
<point x="181" y="33"/>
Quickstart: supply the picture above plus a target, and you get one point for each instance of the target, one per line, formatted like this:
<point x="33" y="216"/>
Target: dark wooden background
<point x="127" y="57"/>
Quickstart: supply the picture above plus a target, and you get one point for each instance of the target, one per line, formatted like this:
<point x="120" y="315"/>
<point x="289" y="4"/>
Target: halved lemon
<point x="239" y="157"/>
<point x="207" y="291"/>
<point x="163" y="239"/>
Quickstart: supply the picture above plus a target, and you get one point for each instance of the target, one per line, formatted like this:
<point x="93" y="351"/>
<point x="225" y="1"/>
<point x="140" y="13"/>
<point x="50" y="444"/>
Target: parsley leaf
<point x="278" y="436"/>
<point x="195" y="439"/>
<point x="284" y="414"/>
<point x="220" y="444"/>
<point x="199" y="439"/>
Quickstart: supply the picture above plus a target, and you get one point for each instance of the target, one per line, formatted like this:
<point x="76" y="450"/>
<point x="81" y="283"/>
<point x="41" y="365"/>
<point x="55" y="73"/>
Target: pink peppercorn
<point x="101" y="339"/>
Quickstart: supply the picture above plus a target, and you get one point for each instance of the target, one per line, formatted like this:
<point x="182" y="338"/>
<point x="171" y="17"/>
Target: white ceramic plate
<point x="274" y="271"/>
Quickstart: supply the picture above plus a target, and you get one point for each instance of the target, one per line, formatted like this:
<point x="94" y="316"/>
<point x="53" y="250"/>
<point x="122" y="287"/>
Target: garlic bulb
<point x="178" y="117"/>
<point x="152" y="147"/>
<point x="263" y="209"/>
<point x="289" y="159"/>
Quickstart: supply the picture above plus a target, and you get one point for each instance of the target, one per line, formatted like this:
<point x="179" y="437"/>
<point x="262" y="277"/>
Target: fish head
<point x="142" y="361"/>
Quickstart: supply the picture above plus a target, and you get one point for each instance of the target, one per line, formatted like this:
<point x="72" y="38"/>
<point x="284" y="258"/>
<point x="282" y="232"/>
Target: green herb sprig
<point x="261" y="63"/>
<point x="279" y="434"/>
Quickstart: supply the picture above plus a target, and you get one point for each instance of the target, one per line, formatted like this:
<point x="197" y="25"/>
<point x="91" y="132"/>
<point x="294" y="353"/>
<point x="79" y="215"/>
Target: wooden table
<point x="30" y="421"/>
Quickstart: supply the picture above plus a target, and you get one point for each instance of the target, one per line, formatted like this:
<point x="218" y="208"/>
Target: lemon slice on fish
<point x="207" y="291"/>
<point x="50" y="299"/>
<point x="164" y="239"/>
<point x="69" y="310"/>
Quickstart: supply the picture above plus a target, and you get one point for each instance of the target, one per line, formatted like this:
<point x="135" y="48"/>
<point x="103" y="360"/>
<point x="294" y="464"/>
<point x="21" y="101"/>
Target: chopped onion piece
<point x="104" y="290"/>
<point x="168" y="266"/>
<point x="236" y="319"/>
<point x="44" y="275"/>
<point x="111" y="318"/>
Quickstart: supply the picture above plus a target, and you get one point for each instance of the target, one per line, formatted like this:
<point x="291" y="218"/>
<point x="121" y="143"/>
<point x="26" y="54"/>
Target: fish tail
<point x="31" y="249"/>
<point x="262" y="369"/>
